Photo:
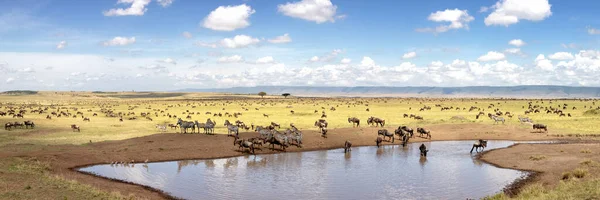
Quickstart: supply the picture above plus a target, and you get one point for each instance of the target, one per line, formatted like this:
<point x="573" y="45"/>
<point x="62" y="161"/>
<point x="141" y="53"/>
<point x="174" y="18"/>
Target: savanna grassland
<point x="37" y="163"/>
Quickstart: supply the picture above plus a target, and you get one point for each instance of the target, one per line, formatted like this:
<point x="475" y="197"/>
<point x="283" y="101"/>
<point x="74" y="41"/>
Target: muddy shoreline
<point x="66" y="159"/>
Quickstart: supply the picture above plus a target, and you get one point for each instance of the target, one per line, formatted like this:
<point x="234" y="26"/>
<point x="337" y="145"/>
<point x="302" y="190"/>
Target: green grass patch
<point x="566" y="190"/>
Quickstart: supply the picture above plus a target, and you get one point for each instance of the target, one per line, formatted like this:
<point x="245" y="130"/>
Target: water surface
<point x="390" y="172"/>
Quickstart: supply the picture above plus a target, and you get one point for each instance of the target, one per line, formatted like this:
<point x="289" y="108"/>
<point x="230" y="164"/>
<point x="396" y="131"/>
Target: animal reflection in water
<point x="184" y="163"/>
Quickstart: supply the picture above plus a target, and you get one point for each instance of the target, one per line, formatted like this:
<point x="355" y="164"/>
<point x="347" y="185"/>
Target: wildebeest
<point x="86" y="119"/>
<point x="377" y="121"/>
<point x="75" y="127"/>
<point x="8" y="126"/>
<point x="425" y="132"/>
<point x="275" y="125"/>
<point x="479" y="144"/>
<point x="347" y="146"/>
<point x="355" y="121"/>
<point x="324" y="132"/>
<point x="244" y="144"/>
<point x="321" y="123"/>
<point x="405" y="139"/>
<point x="378" y="141"/>
<point x="540" y="127"/>
<point x="410" y="132"/>
<point x="386" y="133"/>
<point x="277" y="139"/>
<point x="173" y="126"/>
<point x="29" y="124"/>
<point x="48" y="117"/>
<point x="423" y="150"/>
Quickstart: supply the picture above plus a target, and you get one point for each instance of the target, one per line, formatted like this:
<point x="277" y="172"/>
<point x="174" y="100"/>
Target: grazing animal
<point x="347" y="146"/>
<point x="425" y="132"/>
<point x="277" y="139"/>
<point x="423" y="150"/>
<point x="232" y="129"/>
<point x="376" y="121"/>
<point x="162" y="128"/>
<point x="324" y="132"/>
<point x="209" y="127"/>
<point x="8" y="126"/>
<point x="355" y="121"/>
<point x="540" y="127"/>
<point x="75" y="127"/>
<point x="29" y="124"/>
<point x="275" y="125"/>
<point x="86" y="119"/>
<point x="386" y="133"/>
<point x="405" y="139"/>
<point x="378" y="141"/>
<point x="185" y="125"/>
<point x="173" y="126"/>
<point x="479" y="144"/>
<point x="265" y="115"/>
<point x="48" y="117"/>
<point x="244" y="144"/>
<point x="497" y="119"/>
<point x="410" y="132"/>
<point x="321" y="123"/>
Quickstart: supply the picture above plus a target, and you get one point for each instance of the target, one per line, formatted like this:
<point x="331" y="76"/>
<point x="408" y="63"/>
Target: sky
<point x="122" y="45"/>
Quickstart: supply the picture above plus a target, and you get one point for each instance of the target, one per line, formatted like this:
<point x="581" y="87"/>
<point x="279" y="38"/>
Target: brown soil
<point x="550" y="161"/>
<point x="167" y="147"/>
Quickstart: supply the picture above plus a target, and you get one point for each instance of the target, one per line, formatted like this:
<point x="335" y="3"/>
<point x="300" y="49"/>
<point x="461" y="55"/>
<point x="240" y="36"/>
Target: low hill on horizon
<point x="537" y="91"/>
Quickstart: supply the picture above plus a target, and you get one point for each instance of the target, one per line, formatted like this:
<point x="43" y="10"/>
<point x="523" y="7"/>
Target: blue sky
<point x="66" y="45"/>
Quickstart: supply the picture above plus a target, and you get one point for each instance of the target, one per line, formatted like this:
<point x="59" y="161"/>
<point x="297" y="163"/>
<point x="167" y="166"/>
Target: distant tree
<point x="262" y="94"/>
<point x="285" y="95"/>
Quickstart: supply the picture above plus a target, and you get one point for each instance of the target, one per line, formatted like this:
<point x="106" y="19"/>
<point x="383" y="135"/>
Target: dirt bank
<point x="167" y="147"/>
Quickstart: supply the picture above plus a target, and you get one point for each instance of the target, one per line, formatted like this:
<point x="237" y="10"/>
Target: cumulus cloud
<point x="239" y="41"/>
<point x="516" y="42"/>
<point x="119" y="41"/>
<point x="459" y="19"/>
<point x="507" y="12"/>
<point x="314" y="59"/>
<point x="230" y="59"/>
<point x="165" y="3"/>
<point x="492" y="56"/>
<point x="561" y="56"/>
<point x="513" y="51"/>
<point x="542" y="63"/>
<point x="285" y="38"/>
<point x="265" y="60"/>
<point x="61" y="45"/>
<point x="346" y="61"/>
<point x="187" y="35"/>
<point x="409" y="55"/>
<point x="229" y="18"/>
<point x="319" y="11"/>
<point x="137" y="8"/>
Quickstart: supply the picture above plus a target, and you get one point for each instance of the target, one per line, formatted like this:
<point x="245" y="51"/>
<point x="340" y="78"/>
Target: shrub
<point x="566" y="175"/>
<point x="580" y="173"/>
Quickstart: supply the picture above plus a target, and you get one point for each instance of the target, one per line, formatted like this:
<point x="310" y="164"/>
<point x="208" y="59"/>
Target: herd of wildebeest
<point x="269" y="134"/>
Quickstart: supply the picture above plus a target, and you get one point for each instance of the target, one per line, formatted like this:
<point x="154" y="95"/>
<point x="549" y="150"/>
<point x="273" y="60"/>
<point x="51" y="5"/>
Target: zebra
<point x="232" y="129"/>
<point x="497" y="119"/>
<point x="185" y="125"/>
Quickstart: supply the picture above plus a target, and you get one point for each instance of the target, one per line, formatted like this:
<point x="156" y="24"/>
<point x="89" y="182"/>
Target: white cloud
<point x="507" y="12"/>
<point x="165" y="3"/>
<point x="61" y="45"/>
<point x="204" y="44"/>
<point x="346" y="61"/>
<point x="265" y="60"/>
<point x="543" y="63"/>
<point x="483" y="9"/>
<point x="239" y="41"/>
<point x="187" y="35"/>
<point x="119" y="41"/>
<point x="137" y="8"/>
<point x="513" y="51"/>
<point x="230" y="59"/>
<point x="409" y="55"/>
<point x="28" y="70"/>
<point x="229" y="18"/>
<point x="10" y="80"/>
<point x="561" y="56"/>
<point x="516" y="42"/>
<point x="314" y="59"/>
<point x="367" y="62"/>
<point x="459" y="19"/>
<point x="319" y="11"/>
<point x="593" y="31"/>
<point x="285" y="38"/>
<point x="492" y="56"/>
<point x="168" y="61"/>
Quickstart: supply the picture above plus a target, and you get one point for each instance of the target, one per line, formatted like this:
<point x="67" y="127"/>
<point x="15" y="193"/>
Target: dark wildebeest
<point x="410" y="132"/>
<point x="405" y="115"/>
<point x="347" y="146"/>
<point x="423" y="150"/>
<point x="321" y="123"/>
<point x="48" y="117"/>
<point x="75" y="127"/>
<point x="244" y="144"/>
<point x="355" y="121"/>
<point x="324" y="132"/>
<point x="425" y="132"/>
<point x="376" y="121"/>
<point x="405" y="139"/>
<point x="29" y="124"/>
<point x="86" y="119"/>
<point x="173" y="126"/>
<point x="386" y="133"/>
<point x="479" y="144"/>
<point x="277" y="139"/>
<point x="8" y="126"/>
<point x="540" y="127"/>
<point x="378" y="141"/>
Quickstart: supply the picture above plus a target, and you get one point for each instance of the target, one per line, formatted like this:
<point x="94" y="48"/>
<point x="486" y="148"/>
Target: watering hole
<point x="388" y="172"/>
